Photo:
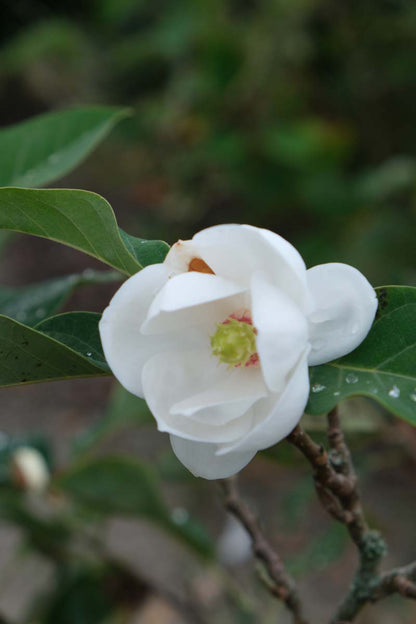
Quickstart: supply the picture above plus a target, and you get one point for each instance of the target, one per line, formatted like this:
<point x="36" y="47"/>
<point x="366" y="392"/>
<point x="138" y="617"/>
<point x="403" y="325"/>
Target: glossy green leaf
<point x="28" y="356"/>
<point x="80" y="219"/>
<point x="79" y="331"/>
<point x="43" y="149"/>
<point x="121" y="485"/>
<point x="145" y="251"/>
<point x="32" y="304"/>
<point x="383" y="367"/>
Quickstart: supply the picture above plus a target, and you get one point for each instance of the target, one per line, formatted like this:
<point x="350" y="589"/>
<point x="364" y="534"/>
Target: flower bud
<point x="29" y="469"/>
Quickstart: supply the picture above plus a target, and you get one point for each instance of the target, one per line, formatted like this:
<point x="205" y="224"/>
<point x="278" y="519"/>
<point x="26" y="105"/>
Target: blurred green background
<point x="295" y="115"/>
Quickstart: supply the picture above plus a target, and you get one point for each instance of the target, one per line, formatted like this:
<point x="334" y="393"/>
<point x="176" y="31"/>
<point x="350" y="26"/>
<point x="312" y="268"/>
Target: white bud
<point x="29" y="469"/>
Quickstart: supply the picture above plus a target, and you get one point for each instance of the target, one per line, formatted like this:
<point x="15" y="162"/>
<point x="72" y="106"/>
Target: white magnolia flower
<point x="218" y="339"/>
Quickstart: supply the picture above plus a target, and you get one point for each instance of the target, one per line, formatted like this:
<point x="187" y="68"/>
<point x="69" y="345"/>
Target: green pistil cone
<point x="234" y="342"/>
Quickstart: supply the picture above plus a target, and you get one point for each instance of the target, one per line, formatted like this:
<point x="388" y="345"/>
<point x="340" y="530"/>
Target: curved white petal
<point x="345" y="305"/>
<point x="282" y="331"/>
<point x="236" y="251"/>
<point x="201" y="459"/>
<point x="126" y="349"/>
<point x="192" y="299"/>
<point x="233" y="395"/>
<point x="171" y="379"/>
<point x="275" y="416"/>
<point x="180" y="255"/>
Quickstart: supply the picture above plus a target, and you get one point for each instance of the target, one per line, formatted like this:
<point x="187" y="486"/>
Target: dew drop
<point x="351" y="378"/>
<point x="394" y="392"/>
<point x="317" y="387"/>
<point x="413" y="396"/>
<point x="337" y="393"/>
<point x="89" y="354"/>
<point x="179" y="515"/>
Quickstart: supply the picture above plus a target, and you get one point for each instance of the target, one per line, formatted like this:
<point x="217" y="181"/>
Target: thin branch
<point x="336" y="486"/>
<point x="279" y="582"/>
<point x="397" y="581"/>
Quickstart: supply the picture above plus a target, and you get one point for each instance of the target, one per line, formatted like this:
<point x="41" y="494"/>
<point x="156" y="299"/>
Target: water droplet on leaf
<point x="351" y="378"/>
<point x="394" y="392"/>
<point x="317" y="387"/>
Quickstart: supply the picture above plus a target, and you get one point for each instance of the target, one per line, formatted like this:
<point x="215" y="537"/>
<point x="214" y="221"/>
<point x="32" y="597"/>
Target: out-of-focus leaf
<point x="120" y="485"/>
<point x="32" y="304"/>
<point x="382" y="367"/>
<point x="79" y="331"/>
<point x="115" y="485"/>
<point x="81" y="596"/>
<point x="28" y="356"/>
<point x="80" y="219"/>
<point x="392" y="176"/>
<point x="38" y="151"/>
<point x="47" y="535"/>
<point x="324" y="550"/>
<point x="123" y="410"/>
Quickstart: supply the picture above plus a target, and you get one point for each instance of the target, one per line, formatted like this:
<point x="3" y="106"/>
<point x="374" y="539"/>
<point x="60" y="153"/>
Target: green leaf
<point x="145" y="251"/>
<point x="32" y="304"/>
<point x="28" y="356"/>
<point x="121" y="485"/>
<point x="79" y="331"/>
<point x="382" y="367"/>
<point x="80" y="219"/>
<point x="43" y="149"/>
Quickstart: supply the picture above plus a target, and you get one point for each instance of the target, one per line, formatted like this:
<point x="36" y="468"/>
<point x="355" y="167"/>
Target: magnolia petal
<point x="236" y="251"/>
<point x="345" y="305"/>
<point x="282" y="331"/>
<point x="275" y="417"/>
<point x="233" y="395"/>
<point x="171" y="378"/>
<point x="201" y="459"/>
<point x="192" y="299"/>
<point x="124" y="347"/>
<point x="180" y="256"/>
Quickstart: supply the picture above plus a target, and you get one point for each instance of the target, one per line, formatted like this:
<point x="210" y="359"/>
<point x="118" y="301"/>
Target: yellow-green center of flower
<point x="234" y="342"/>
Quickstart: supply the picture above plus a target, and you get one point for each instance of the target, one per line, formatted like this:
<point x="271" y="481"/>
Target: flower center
<point x="234" y="342"/>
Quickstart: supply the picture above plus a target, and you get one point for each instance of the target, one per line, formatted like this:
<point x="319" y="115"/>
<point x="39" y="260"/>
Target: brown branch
<point x="336" y="486"/>
<point x="280" y="583"/>
<point x="397" y="581"/>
